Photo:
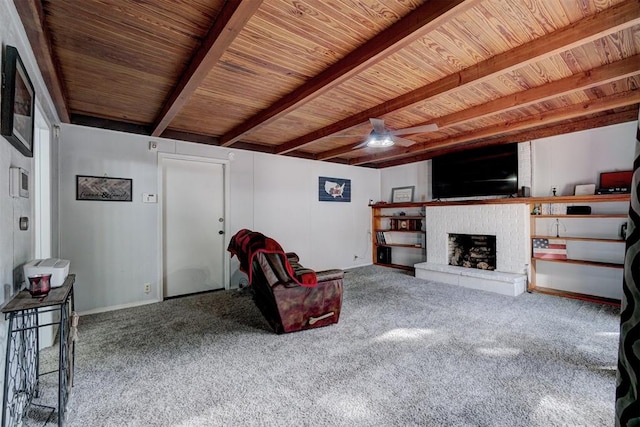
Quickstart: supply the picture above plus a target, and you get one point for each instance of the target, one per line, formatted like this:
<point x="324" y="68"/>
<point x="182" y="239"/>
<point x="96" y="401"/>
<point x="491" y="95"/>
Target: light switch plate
<point x="18" y="182"/>
<point x="149" y="198"/>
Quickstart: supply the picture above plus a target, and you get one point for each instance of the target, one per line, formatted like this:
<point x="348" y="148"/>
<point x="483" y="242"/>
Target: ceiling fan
<point x="382" y="136"/>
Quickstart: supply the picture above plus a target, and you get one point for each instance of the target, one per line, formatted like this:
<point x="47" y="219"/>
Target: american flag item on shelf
<point x="550" y="248"/>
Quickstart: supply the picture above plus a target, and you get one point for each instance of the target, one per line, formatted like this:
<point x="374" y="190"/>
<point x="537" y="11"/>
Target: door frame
<point x="225" y="225"/>
<point x="42" y="188"/>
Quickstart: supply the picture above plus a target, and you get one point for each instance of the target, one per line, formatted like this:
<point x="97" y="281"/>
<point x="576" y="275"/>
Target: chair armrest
<point x="326" y="275"/>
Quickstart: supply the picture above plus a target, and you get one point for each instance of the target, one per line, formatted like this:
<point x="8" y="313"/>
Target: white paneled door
<point x="193" y="226"/>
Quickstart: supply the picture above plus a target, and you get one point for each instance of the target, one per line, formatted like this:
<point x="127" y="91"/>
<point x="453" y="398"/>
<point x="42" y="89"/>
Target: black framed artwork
<point x="18" y="103"/>
<point x="103" y="188"/>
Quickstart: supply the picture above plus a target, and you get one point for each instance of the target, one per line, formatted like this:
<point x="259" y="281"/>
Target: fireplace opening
<point x="472" y="251"/>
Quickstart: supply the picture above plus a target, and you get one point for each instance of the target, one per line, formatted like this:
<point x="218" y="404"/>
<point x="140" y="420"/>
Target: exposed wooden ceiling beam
<point x="580" y="81"/>
<point x="32" y="17"/>
<point x="546" y="118"/>
<point x="213" y="140"/>
<point x="425" y="18"/>
<point x="230" y="21"/>
<point x="628" y="114"/>
<point x="102" y="123"/>
<point x="614" y="19"/>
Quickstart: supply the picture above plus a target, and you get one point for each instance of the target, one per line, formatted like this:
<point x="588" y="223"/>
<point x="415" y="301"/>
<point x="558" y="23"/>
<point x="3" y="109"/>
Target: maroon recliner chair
<point x="290" y="297"/>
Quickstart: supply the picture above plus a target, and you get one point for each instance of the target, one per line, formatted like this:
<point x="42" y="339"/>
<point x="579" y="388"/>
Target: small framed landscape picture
<point x="402" y="194"/>
<point x="18" y="103"/>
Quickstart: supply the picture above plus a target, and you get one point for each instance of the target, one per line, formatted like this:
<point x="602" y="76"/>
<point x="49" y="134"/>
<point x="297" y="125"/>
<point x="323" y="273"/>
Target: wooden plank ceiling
<point x="302" y="77"/>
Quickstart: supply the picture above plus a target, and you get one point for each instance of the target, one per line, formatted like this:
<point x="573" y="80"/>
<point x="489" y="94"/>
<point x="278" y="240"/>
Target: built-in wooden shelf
<point x="378" y="217"/>
<point x="578" y="239"/>
<point x="575" y="295"/>
<point x="384" y="220"/>
<point x="400" y="216"/>
<point x="387" y="230"/>
<point x="583" y="216"/>
<point x="595" y="198"/>
<point x="398" y="205"/>
<point x="598" y="219"/>
<point x="400" y="245"/>
<point x="582" y="262"/>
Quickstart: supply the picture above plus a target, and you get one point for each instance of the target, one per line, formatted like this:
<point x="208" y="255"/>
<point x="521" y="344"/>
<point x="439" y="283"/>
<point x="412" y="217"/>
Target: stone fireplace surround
<point x="509" y="222"/>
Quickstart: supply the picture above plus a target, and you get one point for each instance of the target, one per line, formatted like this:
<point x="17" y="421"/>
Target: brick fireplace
<point x="508" y="222"/>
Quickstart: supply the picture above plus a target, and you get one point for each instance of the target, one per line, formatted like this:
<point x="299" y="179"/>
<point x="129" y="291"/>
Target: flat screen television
<point x="487" y="171"/>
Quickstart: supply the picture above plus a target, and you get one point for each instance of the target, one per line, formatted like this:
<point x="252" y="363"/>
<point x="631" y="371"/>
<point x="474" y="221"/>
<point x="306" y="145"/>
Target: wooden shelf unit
<point x="381" y="222"/>
<point x="582" y="239"/>
<point x="400" y="245"/>
<point x="401" y="217"/>
<point x="583" y="216"/>
<point x="378" y="216"/>
<point x="583" y="262"/>
<point x="594" y="199"/>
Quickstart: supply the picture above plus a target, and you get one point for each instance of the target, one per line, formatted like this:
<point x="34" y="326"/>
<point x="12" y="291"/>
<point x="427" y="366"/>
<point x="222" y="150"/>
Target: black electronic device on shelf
<point x="578" y="210"/>
<point x="384" y="254"/>
<point x="618" y="182"/>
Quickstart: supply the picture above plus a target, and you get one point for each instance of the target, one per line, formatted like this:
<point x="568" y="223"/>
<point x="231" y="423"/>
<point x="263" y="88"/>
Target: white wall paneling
<point x="580" y="157"/>
<point x="17" y="246"/>
<point x="115" y="247"/>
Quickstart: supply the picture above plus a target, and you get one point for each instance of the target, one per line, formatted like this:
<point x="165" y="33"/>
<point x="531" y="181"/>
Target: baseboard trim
<point x="117" y="307"/>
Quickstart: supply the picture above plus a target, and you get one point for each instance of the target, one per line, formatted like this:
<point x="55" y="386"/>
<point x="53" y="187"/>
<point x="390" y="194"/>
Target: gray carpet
<point x="406" y="352"/>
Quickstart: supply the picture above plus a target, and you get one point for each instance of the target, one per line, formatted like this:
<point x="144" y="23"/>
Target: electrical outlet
<point x="147" y="288"/>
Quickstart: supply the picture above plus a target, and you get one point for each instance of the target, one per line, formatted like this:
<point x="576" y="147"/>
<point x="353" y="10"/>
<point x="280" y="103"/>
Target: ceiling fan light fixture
<point x="378" y="141"/>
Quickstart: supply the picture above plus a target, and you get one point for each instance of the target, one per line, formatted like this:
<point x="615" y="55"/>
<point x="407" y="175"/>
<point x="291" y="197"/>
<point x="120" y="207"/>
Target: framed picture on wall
<point x="18" y="103"/>
<point x="104" y="189"/>
<point x="334" y="189"/>
<point x="402" y="194"/>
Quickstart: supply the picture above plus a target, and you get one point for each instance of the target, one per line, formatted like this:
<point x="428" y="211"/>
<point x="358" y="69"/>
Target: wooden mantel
<point x="557" y="199"/>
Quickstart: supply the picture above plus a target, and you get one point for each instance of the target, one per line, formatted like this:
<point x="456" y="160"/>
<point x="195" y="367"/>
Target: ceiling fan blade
<point x="378" y="125"/>
<point x="402" y="141"/>
<point x="361" y="145"/>
<point x="416" y="129"/>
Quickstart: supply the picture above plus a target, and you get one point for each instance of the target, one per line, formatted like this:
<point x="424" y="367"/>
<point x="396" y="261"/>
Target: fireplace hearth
<point x="472" y="251"/>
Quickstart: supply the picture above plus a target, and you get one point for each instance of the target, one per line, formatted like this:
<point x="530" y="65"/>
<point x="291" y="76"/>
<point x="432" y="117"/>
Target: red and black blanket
<point x="246" y="244"/>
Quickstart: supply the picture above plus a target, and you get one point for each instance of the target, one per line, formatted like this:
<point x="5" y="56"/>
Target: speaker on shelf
<point x="384" y="254"/>
<point x="578" y="210"/>
<point x="524" y="191"/>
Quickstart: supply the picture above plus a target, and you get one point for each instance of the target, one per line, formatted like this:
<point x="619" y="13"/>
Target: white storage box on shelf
<point x="58" y="268"/>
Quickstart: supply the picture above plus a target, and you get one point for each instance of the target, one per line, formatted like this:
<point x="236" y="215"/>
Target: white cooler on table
<point x="59" y="270"/>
